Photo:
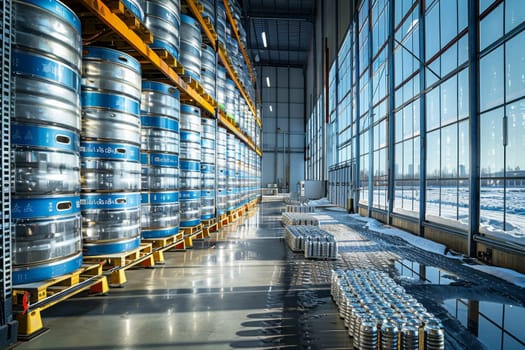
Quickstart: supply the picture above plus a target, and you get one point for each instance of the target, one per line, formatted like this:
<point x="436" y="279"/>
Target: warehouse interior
<point x="262" y="174"/>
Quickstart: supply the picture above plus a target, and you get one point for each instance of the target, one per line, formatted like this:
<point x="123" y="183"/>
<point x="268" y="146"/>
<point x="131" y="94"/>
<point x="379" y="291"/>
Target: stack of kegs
<point x="222" y="170"/>
<point x="231" y="172"/>
<point x="163" y="20"/>
<point x="208" y="10"/>
<point x="110" y="142"/>
<point x="221" y="87"/>
<point x="208" y="152"/>
<point x="220" y="25"/>
<point x="160" y="110"/>
<point x="208" y="70"/>
<point x="190" y="166"/>
<point x="45" y="134"/>
<point x="190" y="47"/>
<point x="230" y="98"/>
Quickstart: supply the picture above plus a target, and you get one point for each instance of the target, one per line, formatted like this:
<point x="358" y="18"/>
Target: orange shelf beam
<point x="118" y="26"/>
<point x="207" y="28"/>
<point x="238" y="37"/>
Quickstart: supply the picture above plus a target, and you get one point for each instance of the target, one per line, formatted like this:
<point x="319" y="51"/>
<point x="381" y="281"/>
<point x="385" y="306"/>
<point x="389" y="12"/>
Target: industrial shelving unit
<point x="8" y="327"/>
<point x="126" y="38"/>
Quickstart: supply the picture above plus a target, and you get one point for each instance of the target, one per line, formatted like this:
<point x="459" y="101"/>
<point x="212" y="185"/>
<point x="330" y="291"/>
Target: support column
<point x="391" y="106"/>
<point x="474" y="183"/>
<point x="422" y="123"/>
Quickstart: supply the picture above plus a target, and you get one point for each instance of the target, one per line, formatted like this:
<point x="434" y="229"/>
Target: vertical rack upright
<point x="8" y="327"/>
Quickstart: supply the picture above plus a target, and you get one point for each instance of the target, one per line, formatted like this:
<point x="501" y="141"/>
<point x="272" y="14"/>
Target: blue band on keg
<point x="38" y="207"/>
<point x="163" y="88"/>
<point x="207" y="143"/>
<point x="190" y="109"/>
<point x="192" y="75"/>
<point x="190" y="136"/>
<point x="207" y="194"/>
<point x="160" y="160"/>
<point x="58" y="9"/>
<point x="114" y="56"/>
<point x="135" y="9"/>
<point x="161" y="44"/>
<point x="115" y="102"/>
<point x="159" y="122"/>
<point x="190" y="223"/>
<point x="189" y="20"/>
<point x="190" y="165"/>
<point x="109" y="201"/>
<point x="189" y="195"/>
<point x="32" y="274"/>
<point x="103" y="248"/>
<point x="207" y="216"/>
<point x="104" y="150"/>
<point x="158" y="233"/>
<point x="159" y="197"/>
<point x="207" y="168"/>
<point x="221" y="211"/>
<point x="45" y="137"/>
<point x="35" y="65"/>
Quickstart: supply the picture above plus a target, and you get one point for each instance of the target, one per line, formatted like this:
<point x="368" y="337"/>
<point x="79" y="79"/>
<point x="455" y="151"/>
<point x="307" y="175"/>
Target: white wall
<point x="283" y="125"/>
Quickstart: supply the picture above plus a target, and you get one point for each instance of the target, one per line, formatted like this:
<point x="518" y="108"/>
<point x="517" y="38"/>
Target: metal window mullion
<point x="422" y="122"/>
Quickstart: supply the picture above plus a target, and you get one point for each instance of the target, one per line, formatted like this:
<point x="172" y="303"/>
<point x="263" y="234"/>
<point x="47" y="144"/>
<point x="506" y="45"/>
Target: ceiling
<point x="288" y="26"/>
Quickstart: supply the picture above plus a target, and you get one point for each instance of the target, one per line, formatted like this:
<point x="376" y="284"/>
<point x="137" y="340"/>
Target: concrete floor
<point x="246" y="291"/>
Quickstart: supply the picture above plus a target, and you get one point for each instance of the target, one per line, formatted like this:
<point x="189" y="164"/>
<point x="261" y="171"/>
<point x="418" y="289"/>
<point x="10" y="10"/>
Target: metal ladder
<point x="8" y="327"/>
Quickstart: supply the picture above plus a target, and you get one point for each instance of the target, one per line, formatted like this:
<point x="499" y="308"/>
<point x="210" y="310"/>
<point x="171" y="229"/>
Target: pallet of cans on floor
<point x="299" y="219"/>
<point x="300" y="209"/>
<point x="314" y="242"/>
<point x="379" y="314"/>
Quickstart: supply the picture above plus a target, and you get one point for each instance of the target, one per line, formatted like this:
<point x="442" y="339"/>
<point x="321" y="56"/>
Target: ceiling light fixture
<point x="267" y="81"/>
<point x="263" y="36"/>
<point x="271" y="109"/>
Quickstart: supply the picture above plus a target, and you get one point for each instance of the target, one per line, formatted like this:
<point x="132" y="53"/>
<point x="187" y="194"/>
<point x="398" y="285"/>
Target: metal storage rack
<point x="8" y="327"/>
<point x="107" y="13"/>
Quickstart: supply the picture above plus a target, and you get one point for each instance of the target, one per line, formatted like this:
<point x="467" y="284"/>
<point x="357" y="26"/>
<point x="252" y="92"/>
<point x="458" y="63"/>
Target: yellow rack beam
<point x="238" y="37"/>
<point x="118" y="26"/>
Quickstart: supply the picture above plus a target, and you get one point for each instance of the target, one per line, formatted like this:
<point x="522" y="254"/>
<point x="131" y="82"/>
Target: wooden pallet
<point x="163" y="244"/>
<point x="116" y="264"/>
<point x="30" y="299"/>
<point x="191" y="234"/>
<point x="118" y="8"/>
<point x="223" y="221"/>
<point x="170" y="60"/>
<point x="209" y="226"/>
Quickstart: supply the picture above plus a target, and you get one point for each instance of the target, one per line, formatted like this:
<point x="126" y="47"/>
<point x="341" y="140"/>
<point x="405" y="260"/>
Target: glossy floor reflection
<point x="243" y="289"/>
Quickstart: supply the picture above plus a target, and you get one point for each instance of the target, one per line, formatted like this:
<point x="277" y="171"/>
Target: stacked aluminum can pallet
<point x="314" y="242"/>
<point x="300" y="209"/>
<point x="299" y="219"/>
<point x="379" y="314"/>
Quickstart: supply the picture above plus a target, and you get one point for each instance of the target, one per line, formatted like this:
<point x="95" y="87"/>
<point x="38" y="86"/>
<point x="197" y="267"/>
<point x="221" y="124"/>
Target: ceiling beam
<point x="286" y="16"/>
<point x="280" y="63"/>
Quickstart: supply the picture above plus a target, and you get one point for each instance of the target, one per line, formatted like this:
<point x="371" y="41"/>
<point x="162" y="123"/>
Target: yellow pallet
<point x="30" y="299"/>
<point x="191" y="234"/>
<point x="117" y="264"/>
<point x="163" y="244"/>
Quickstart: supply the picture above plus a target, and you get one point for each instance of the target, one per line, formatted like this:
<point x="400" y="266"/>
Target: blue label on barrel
<point x="57" y="8"/>
<point x="38" y="66"/>
<point x="158" y="233"/>
<point x="159" y="197"/>
<point x="115" y="56"/>
<point x="45" y="137"/>
<point x="160" y="87"/>
<point x="190" y="223"/>
<point x="109" y="201"/>
<point x="160" y="160"/>
<point x="189" y="195"/>
<point x="207" y="143"/>
<point x="158" y="122"/>
<point x="39" y="207"/>
<point x="190" y="165"/>
<point x="114" y="102"/>
<point x="207" y="168"/>
<point x="190" y="136"/>
<point x="208" y="194"/>
<point x="104" y="150"/>
<point x="190" y="109"/>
